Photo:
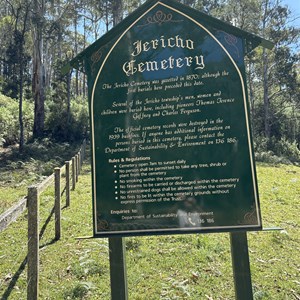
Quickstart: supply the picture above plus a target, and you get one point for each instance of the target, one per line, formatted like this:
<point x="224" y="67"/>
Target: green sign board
<point x="170" y="135"/>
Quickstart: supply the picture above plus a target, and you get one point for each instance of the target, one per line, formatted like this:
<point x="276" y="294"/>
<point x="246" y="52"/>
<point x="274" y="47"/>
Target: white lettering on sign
<point x="172" y="42"/>
<point x="131" y="67"/>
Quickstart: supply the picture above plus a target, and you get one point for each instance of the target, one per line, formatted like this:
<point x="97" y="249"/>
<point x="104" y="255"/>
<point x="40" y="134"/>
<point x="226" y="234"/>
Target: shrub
<point x="276" y="151"/>
<point x="9" y="120"/>
<point x="287" y="149"/>
<point x="68" y="128"/>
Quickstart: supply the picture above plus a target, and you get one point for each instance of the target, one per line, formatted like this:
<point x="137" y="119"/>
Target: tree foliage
<point x="9" y="124"/>
<point x="38" y="37"/>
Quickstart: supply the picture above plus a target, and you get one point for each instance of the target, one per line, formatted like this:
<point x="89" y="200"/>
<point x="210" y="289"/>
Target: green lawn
<point x="196" y="266"/>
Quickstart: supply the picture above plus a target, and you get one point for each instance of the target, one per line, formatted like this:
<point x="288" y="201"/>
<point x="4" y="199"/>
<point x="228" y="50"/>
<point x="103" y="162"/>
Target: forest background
<point x="44" y="114"/>
<point x="38" y="37"/>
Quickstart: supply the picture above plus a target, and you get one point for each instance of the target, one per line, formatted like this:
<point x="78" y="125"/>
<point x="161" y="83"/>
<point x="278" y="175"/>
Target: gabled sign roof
<point x="251" y="40"/>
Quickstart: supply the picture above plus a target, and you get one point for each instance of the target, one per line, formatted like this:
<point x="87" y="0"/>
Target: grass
<point x="196" y="266"/>
<point x="37" y="161"/>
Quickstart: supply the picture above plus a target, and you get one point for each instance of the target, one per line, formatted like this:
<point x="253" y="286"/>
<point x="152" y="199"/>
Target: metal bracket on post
<point x="241" y="266"/>
<point x="118" y="276"/>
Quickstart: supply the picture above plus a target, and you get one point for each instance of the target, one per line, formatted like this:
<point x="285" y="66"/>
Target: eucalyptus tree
<point x="50" y="29"/>
<point x="38" y="75"/>
<point x="130" y="5"/>
<point x="279" y="81"/>
<point x="15" y="59"/>
<point x="272" y="77"/>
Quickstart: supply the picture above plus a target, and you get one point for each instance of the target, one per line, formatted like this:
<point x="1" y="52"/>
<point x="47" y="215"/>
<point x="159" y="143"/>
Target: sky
<point x="294" y="6"/>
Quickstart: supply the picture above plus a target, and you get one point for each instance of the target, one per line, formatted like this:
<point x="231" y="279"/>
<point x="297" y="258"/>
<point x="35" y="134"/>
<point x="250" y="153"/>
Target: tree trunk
<point x="21" y="74"/>
<point x="38" y="72"/>
<point x="106" y="16"/>
<point x="117" y="12"/>
<point x="47" y="64"/>
<point x="265" y="63"/>
<point x="251" y="93"/>
<point x="266" y="96"/>
<point x="21" y="124"/>
<point x="69" y="76"/>
<point x="76" y="52"/>
<point x="84" y="77"/>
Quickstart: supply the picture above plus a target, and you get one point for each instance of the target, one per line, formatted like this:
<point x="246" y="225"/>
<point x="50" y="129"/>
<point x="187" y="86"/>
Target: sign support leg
<point x="241" y="266"/>
<point x="118" y="276"/>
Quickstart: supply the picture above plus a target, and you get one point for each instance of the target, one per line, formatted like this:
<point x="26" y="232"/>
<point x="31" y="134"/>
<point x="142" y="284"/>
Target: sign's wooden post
<point x="118" y="276"/>
<point x="241" y="266"/>
<point x="33" y="244"/>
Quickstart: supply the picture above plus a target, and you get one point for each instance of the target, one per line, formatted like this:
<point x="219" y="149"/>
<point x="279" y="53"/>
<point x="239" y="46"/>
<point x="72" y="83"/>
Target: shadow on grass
<point x="43" y="229"/>
<point x="53" y="241"/>
<point x="18" y="273"/>
<point x="14" y="280"/>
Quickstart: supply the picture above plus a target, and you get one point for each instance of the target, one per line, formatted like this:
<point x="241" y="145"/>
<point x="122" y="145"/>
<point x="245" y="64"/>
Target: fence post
<point x="33" y="244"/>
<point x="73" y="174"/>
<point x="57" y="206"/>
<point x="67" y="183"/>
<point x="77" y="167"/>
<point x="79" y="161"/>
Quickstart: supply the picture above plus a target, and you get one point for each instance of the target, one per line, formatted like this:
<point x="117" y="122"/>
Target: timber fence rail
<point x="70" y="170"/>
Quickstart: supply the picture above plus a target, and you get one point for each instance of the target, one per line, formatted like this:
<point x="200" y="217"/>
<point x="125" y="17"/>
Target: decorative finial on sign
<point x="160" y="17"/>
